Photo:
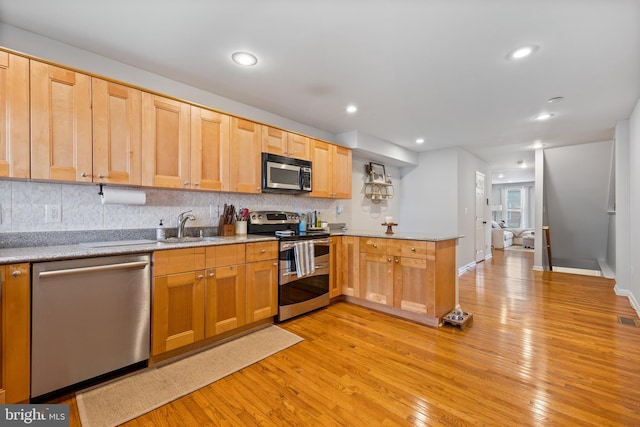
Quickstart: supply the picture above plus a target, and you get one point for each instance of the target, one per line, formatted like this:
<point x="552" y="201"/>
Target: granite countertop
<point x="41" y="253"/>
<point x="69" y="251"/>
<point x="427" y="237"/>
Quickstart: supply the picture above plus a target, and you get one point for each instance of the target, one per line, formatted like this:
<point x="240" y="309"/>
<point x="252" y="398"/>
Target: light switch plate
<point x="52" y="213"/>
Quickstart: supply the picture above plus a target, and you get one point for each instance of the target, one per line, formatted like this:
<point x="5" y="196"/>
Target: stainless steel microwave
<point x="285" y="174"/>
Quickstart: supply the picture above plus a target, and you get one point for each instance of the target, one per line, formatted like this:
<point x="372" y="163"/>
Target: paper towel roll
<point x="113" y="196"/>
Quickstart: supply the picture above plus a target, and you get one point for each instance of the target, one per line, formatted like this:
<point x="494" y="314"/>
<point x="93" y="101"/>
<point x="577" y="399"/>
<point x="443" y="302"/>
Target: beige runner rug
<point x="122" y="400"/>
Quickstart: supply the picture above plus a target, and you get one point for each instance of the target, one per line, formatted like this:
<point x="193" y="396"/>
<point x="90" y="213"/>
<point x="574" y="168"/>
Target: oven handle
<point x="288" y="245"/>
<point x="293" y="273"/>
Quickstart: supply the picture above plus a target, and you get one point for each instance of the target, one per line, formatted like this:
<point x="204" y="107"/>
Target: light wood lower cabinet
<point x="262" y="280"/>
<point x="201" y="293"/>
<point x="177" y="317"/>
<point x="15" y="327"/>
<point x="335" y="286"/>
<point x="407" y="275"/>
<point x="225" y="291"/>
<point x="349" y="265"/>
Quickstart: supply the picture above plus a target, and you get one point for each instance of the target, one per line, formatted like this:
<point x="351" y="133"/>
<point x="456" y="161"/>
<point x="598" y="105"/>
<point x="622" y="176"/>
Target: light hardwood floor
<point x="544" y="349"/>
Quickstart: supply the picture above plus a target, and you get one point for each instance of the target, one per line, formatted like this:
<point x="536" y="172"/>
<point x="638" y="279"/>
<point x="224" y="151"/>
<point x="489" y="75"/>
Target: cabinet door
<point x="177" y="311"/>
<point x="321" y="180"/>
<point x="349" y="266"/>
<point x="441" y="258"/>
<point x="262" y="290"/>
<point x="15" y="322"/>
<point x="275" y="141"/>
<point x="245" y="157"/>
<point x="411" y="285"/>
<point x="224" y="299"/>
<point x="117" y="122"/>
<point x="14" y="116"/>
<point x="61" y="141"/>
<point x="262" y="251"/>
<point x="376" y="278"/>
<point x="209" y="150"/>
<point x="335" y="288"/>
<point x="165" y="142"/>
<point x="341" y="172"/>
<point x="299" y="146"/>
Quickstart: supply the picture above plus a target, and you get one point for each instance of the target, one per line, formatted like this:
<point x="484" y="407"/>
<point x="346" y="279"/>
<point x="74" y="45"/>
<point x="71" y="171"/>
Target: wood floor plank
<point x="545" y="348"/>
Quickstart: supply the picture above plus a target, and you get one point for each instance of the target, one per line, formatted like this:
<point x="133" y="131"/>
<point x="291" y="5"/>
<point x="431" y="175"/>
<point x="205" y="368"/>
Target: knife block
<point x="226" y="229"/>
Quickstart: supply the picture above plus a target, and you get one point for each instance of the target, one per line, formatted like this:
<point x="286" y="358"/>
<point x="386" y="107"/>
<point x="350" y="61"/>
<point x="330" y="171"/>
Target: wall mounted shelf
<point x="378" y="191"/>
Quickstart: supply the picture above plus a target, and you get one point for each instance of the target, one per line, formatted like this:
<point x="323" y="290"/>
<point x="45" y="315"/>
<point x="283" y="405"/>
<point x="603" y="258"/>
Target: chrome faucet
<point x="182" y="220"/>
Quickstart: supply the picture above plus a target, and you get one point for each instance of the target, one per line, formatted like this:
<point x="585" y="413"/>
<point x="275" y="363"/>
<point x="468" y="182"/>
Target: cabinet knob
<point x="397" y="260"/>
<point x="211" y="273"/>
<point x="186" y="183"/>
<point x="389" y="259"/>
<point x="263" y="251"/>
<point x="101" y="176"/>
<point x="83" y="174"/>
<point x="375" y="246"/>
<point x="200" y="276"/>
<point x="413" y="249"/>
<point x="196" y="184"/>
<point x="275" y="263"/>
<point x="16" y="273"/>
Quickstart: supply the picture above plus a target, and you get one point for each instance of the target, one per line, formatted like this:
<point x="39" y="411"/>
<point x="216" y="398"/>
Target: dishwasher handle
<point x="97" y="268"/>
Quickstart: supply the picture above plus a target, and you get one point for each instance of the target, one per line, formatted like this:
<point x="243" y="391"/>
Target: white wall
<point x="628" y="280"/>
<point x="50" y="50"/>
<point x="577" y="194"/>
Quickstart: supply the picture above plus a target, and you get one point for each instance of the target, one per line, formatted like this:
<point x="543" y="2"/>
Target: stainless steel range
<point x="303" y="280"/>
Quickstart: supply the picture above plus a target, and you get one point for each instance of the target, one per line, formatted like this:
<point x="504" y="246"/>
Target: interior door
<point x="481" y="222"/>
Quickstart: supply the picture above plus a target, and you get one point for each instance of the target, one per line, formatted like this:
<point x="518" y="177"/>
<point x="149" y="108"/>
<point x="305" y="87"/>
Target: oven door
<point x="297" y="295"/>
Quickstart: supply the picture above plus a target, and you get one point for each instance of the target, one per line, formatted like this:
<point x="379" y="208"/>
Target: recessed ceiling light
<point x="555" y="99"/>
<point x="420" y="141"/>
<point x="522" y="52"/>
<point x="543" y="116"/>
<point x="351" y="109"/>
<point x="537" y="145"/>
<point x="244" y="58"/>
<point x="501" y="175"/>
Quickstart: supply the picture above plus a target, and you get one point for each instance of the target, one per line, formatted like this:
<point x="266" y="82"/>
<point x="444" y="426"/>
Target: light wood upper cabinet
<point x="15" y="329"/>
<point x="245" y="167"/>
<point x="117" y="122"/>
<point x="283" y="143"/>
<point x="14" y="116"/>
<point x="331" y="170"/>
<point x="209" y="150"/>
<point x="61" y="137"/>
<point x="166" y="153"/>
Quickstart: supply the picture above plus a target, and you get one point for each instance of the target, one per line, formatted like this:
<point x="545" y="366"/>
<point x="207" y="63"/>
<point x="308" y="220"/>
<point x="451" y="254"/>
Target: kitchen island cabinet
<point x="410" y="278"/>
<point x="15" y="333"/>
<point x="14" y="110"/>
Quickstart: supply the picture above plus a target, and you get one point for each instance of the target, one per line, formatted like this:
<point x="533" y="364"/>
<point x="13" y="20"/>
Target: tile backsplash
<point x="23" y="204"/>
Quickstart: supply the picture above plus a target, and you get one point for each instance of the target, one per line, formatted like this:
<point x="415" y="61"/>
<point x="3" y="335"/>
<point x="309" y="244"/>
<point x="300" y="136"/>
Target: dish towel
<point x="304" y="254"/>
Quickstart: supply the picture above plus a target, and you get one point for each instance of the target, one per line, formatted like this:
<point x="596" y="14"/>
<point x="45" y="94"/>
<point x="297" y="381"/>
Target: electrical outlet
<point x="52" y="213"/>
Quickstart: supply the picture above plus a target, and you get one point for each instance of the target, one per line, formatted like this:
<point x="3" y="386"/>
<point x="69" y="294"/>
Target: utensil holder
<point x="226" y="229"/>
<point x="241" y="227"/>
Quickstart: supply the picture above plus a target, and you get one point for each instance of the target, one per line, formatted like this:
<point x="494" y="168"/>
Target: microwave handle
<point x="303" y="170"/>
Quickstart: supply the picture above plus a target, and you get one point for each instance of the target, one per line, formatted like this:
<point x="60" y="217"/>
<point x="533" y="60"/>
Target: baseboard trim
<point x="632" y="298"/>
<point x="466" y="268"/>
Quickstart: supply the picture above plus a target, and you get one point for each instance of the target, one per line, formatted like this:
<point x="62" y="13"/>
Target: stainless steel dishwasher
<point x="89" y="317"/>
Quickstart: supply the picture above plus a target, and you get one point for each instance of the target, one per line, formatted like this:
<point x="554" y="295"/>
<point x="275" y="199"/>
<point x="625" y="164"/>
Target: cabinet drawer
<point x="373" y="245"/>
<point x="262" y="251"/>
<point x="178" y="261"/>
<point x="222" y="255"/>
<point x="408" y="248"/>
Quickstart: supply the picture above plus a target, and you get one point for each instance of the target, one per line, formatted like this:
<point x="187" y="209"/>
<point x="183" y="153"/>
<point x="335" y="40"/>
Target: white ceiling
<point x="435" y="69"/>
